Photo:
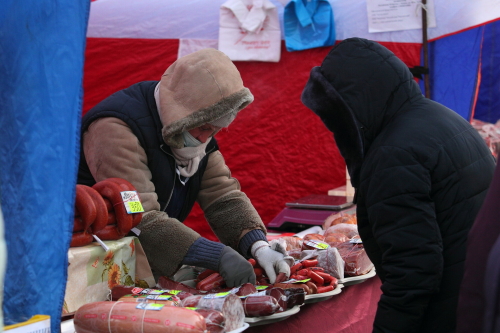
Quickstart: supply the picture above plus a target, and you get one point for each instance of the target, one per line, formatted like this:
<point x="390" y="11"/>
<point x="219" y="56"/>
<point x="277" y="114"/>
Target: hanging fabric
<point x="308" y="24"/>
<point x="250" y="30"/>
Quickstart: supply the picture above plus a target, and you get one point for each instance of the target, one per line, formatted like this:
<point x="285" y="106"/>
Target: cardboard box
<point x="36" y="324"/>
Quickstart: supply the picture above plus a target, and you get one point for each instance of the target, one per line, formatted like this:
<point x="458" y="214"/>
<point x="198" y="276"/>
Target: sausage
<point x="109" y="316"/>
<point x="325" y="289"/>
<point x="109" y="205"/>
<point x="78" y="225"/>
<point x="259" y="272"/>
<point x="312" y="287"/>
<point x="318" y="280"/>
<point x="293" y="285"/>
<point x="296" y="268"/>
<point x="127" y="186"/>
<point x="231" y="307"/>
<point x="294" y="296"/>
<point x="81" y="238"/>
<point x="214" y="319"/>
<point x="101" y="219"/>
<point x="111" y="218"/>
<point x="212" y="281"/>
<point x="85" y="206"/>
<point x="205" y="274"/>
<point x="111" y="191"/>
<point x="166" y="283"/>
<point x="280" y="277"/>
<point x="279" y="294"/>
<point x="309" y="263"/>
<point x="258" y="306"/>
<point x="110" y="232"/>
<point x="246" y="289"/>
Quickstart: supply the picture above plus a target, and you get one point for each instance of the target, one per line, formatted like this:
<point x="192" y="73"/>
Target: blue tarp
<point x="488" y="101"/>
<point x="42" y="44"/>
<point x="454" y="66"/>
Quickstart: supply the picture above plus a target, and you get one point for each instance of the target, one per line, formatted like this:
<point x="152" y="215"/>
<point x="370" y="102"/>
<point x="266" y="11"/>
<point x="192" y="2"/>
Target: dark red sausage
<point x="205" y="274"/>
<point x="258" y="306"/>
<point x="78" y="225"/>
<point x="246" y="289"/>
<point x="110" y="232"/>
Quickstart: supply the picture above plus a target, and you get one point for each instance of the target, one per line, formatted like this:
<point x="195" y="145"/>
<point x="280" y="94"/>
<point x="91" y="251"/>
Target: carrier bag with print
<point x="250" y="30"/>
<point x="308" y="24"/>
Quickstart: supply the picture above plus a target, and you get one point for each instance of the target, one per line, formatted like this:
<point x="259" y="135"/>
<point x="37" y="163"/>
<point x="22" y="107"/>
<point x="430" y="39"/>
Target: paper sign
<point x="395" y="15"/>
<point x="132" y="202"/>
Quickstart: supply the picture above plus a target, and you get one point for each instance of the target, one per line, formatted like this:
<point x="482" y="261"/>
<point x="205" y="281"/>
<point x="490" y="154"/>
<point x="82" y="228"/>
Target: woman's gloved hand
<point x="235" y="269"/>
<point x="270" y="260"/>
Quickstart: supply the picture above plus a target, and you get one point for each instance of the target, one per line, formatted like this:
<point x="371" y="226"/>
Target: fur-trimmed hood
<point x="197" y="89"/>
<point x="357" y="90"/>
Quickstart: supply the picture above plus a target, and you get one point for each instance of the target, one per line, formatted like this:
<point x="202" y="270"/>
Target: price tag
<point x="317" y="244"/>
<point x="296" y="281"/>
<point x="356" y="241"/>
<point x="150" y="306"/>
<point x="132" y="202"/>
<point x="218" y="295"/>
<point x="160" y="297"/>
<point x="261" y="287"/>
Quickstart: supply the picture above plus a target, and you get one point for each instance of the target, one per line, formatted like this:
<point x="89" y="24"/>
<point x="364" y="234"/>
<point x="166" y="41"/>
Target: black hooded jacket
<point x="420" y="172"/>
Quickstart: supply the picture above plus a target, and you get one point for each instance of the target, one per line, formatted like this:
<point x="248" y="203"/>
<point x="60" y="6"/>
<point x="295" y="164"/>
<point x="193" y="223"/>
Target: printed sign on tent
<point x="250" y="30"/>
<point x="395" y="15"/>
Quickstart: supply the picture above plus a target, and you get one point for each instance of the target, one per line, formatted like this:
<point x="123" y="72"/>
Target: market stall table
<point x="351" y="311"/>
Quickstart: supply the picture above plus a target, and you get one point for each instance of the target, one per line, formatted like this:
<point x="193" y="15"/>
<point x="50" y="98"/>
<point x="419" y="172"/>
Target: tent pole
<point x="426" y="50"/>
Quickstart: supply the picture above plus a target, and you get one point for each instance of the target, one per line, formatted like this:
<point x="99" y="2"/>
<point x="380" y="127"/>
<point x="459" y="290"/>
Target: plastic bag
<point x="331" y="261"/>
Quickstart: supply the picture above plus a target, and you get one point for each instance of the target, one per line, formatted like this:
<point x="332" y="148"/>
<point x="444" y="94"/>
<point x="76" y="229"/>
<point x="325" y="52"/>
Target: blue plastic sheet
<point x="488" y="102"/>
<point x="42" y="47"/>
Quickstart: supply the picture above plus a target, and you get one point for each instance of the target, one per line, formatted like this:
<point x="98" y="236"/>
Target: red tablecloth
<point x="351" y="311"/>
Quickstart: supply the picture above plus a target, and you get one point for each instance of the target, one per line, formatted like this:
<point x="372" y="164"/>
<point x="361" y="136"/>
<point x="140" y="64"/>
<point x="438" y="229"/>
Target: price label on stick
<point x="132" y="202"/>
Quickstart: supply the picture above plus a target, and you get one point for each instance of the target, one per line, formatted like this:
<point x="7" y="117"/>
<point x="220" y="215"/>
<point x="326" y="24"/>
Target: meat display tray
<point x="254" y="321"/>
<point x="315" y="298"/>
<point x="349" y="281"/>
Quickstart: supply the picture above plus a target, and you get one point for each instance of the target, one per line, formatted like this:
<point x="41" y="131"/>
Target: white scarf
<point x="188" y="158"/>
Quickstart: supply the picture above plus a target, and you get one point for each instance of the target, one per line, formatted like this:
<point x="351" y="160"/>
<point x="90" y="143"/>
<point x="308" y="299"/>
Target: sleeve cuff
<point x="250" y="238"/>
<point x="204" y="253"/>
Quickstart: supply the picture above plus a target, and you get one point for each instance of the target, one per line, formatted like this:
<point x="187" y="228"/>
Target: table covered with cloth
<point x="351" y="311"/>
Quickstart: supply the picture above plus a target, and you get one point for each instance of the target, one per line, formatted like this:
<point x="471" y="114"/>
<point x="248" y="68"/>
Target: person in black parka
<point x="420" y="172"/>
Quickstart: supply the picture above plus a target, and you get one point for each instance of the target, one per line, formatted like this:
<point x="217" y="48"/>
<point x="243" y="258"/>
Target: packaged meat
<point x="214" y="319"/>
<point x="355" y="258"/>
<point x="168" y="300"/>
<point x="292" y="242"/>
<point x="109" y="316"/>
<point x="336" y="238"/>
<point x="331" y="261"/>
<point x="258" y="306"/>
<point x="350" y="230"/>
<point x="280" y="296"/>
<point x="311" y="240"/>
<point x="294" y="296"/>
<point x="231" y="307"/>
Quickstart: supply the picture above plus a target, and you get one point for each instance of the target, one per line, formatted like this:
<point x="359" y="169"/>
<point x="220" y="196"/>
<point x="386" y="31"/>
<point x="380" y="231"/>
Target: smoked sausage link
<point x="112" y="191"/>
<point x="101" y="219"/>
<point x="85" y="206"/>
<point x="127" y="186"/>
<point x="109" y="316"/>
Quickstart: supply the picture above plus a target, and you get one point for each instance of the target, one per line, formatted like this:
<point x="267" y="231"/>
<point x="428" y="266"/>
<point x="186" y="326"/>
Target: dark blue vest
<point x="136" y="106"/>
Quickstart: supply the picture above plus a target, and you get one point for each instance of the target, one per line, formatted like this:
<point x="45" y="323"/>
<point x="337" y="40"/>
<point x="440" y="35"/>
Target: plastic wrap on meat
<point x="331" y="261"/>
<point x="350" y="230"/>
<point x="355" y="258"/>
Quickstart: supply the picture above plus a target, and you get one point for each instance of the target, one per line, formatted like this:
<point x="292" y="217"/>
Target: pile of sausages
<point x="100" y="211"/>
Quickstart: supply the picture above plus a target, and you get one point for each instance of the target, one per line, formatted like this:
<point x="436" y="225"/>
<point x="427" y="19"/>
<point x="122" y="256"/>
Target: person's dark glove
<point x="235" y="269"/>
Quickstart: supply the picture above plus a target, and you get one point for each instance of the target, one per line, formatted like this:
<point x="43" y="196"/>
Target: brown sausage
<point x="279" y="294"/>
<point x="214" y="319"/>
<point x="258" y="306"/>
<point x="212" y="281"/>
<point x="85" y="206"/>
<point x="109" y="316"/>
<point x="246" y="289"/>
<point x="167" y="283"/>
